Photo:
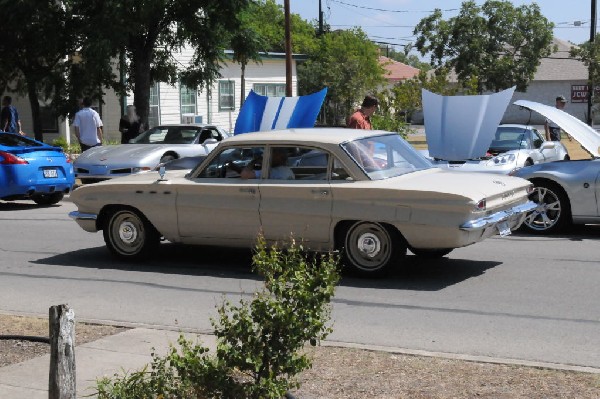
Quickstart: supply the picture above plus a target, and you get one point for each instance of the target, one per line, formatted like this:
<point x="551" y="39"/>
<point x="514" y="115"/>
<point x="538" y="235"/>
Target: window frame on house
<point x="229" y="94"/>
<point x="185" y="94"/>
<point x="154" y="111"/>
<point x="264" y="89"/>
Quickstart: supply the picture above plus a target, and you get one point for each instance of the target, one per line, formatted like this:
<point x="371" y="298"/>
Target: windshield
<point x="168" y="135"/>
<point x="510" y="138"/>
<point x="385" y="156"/>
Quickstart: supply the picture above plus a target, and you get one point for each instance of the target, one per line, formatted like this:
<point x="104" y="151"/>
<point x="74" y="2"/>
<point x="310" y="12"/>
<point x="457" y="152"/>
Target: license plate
<point x="503" y="229"/>
<point x="50" y="173"/>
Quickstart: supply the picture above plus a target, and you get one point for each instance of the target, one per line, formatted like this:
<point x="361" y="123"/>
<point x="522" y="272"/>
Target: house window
<point x="154" y="116"/>
<point x="187" y="99"/>
<point x="49" y="119"/>
<point x="270" y="89"/>
<point x="226" y="95"/>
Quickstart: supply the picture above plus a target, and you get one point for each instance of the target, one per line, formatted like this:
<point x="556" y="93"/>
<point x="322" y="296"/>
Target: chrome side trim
<point x="76" y="215"/>
<point x="516" y="212"/>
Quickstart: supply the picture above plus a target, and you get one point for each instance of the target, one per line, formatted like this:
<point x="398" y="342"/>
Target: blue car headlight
<point x="501" y="160"/>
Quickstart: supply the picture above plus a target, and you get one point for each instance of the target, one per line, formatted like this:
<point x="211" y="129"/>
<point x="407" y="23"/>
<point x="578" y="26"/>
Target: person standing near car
<point x="129" y="125"/>
<point x="88" y="126"/>
<point x="361" y="119"/>
<point x="551" y="128"/>
<point x="10" y="117"/>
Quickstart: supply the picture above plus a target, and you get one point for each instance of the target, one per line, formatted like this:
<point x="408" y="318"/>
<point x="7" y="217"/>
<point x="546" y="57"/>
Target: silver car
<point x="513" y="146"/>
<point x="566" y="192"/>
<point x="157" y="145"/>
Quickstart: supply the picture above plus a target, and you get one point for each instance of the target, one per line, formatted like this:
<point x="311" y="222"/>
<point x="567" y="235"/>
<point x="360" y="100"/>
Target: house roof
<point x="559" y="66"/>
<point x="397" y="71"/>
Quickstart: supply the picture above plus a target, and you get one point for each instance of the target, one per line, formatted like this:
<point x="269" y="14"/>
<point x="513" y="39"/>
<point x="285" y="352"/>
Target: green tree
<point x="589" y="54"/>
<point x="405" y="57"/>
<point x="497" y="43"/>
<point x="36" y="40"/>
<point x="347" y="63"/>
<point x="148" y="31"/>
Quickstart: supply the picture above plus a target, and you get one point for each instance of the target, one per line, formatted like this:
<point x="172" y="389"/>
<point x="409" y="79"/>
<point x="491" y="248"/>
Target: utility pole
<point x="590" y="119"/>
<point x="320" y="19"/>
<point x="288" y="51"/>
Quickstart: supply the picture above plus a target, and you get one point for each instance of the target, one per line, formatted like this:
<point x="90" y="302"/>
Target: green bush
<point x="72" y="148"/>
<point x="259" y="343"/>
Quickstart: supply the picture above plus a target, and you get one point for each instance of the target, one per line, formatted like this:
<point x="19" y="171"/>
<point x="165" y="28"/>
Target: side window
<point x="308" y="163"/>
<point x="229" y="162"/>
<point x="339" y="172"/>
<point x="537" y="139"/>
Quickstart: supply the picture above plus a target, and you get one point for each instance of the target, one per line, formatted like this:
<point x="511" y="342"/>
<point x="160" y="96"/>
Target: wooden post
<point x="62" y="353"/>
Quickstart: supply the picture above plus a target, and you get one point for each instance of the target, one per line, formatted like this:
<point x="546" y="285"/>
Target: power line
<point x="387" y="10"/>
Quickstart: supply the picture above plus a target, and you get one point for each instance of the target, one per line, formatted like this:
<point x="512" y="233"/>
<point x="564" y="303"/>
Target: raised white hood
<point x="584" y="134"/>
<point x="462" y="127"/>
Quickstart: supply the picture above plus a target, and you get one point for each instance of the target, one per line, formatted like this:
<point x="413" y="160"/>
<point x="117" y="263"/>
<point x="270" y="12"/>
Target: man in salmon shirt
<point x="361" y="119"/>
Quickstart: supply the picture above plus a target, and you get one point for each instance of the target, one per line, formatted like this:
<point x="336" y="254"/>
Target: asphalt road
<point x="521" y="297"/>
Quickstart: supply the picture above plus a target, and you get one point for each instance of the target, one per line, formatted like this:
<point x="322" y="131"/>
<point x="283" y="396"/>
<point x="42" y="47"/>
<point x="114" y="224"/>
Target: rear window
<point x="15" y="140"/>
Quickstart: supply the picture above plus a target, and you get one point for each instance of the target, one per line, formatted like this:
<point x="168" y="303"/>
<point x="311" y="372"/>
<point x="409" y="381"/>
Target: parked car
<point x="513" y="146"/>
<point x="566" y="192"/>
<point x="32" y="170"/>
<point x="341" y="199"/>
<point x="157" y="145"/>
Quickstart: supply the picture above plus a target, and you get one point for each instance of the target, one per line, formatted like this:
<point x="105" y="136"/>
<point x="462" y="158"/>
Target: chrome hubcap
<point x="127" y="232"/>
<point x="369" y="245"/>
<point x="547" y="212"/>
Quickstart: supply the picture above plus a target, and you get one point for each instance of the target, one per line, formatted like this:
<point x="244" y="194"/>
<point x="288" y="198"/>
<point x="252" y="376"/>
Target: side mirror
<point x="210" y="141"/>
<point x="548" y="145"/>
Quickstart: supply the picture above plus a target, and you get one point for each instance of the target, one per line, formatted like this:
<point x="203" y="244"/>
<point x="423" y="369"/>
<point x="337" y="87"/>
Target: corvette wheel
<point x="371" y="249"/>
<point x="129" y="235"/>
<point x="167" y="158"/>
<point x="553" y="211"/>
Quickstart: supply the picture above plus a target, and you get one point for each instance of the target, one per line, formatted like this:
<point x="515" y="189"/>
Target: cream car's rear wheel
<point x="128" y="234"/>
<point x="372" y="248"/>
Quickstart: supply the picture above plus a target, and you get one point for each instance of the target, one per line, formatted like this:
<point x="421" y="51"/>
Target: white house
<point x="218" y="104"/>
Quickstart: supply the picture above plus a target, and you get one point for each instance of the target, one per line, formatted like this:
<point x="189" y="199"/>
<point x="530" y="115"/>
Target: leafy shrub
<point x="259" y="343"/>
<point x="72" y="148"/>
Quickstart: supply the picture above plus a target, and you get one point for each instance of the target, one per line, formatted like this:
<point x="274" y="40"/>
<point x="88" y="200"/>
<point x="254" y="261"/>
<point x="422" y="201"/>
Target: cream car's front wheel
<point x="372" y="249"/>
<point x="129" y="235"/>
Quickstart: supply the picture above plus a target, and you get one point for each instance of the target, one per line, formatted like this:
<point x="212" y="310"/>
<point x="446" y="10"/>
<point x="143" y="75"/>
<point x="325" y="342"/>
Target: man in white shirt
<point x="88" y="126"/>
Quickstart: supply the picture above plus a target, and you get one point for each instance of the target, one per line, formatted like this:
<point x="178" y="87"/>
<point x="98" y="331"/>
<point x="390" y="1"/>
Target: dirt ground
<point x="344" y="373"/>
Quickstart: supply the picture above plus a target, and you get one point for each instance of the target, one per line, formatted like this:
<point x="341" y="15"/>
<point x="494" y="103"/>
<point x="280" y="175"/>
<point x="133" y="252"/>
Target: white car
<point x="145" y="152"/>
<point x="513" y="146"/>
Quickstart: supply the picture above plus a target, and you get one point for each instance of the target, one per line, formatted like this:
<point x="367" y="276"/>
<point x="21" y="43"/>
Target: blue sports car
<point x="30" y="169"/>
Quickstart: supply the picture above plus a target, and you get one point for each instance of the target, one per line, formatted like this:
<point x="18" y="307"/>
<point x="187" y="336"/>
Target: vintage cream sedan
<point x="368" y="194"/>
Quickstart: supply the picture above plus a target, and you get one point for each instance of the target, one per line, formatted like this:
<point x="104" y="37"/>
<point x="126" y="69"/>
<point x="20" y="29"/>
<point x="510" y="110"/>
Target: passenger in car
<point x="279" y="168"/>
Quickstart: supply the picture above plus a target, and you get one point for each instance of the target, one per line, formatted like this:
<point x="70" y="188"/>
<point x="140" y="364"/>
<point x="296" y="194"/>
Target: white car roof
<point x="306" y="135"/>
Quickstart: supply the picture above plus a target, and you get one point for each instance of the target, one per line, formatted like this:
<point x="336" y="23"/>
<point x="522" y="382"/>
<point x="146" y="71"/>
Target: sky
<point x="393" y="21"/>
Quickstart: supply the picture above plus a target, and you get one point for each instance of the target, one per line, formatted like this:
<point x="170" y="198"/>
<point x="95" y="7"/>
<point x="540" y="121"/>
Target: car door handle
<point x="248" y="190"/>
<point x="320" y="192"/>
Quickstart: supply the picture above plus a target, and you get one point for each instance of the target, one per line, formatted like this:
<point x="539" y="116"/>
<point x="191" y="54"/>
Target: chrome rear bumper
<point x="514" y="216"/>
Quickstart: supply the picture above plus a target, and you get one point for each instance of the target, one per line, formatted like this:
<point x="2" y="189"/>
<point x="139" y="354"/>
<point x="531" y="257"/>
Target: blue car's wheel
<point x="129" y="235"/>
<point x="47" y="199"/>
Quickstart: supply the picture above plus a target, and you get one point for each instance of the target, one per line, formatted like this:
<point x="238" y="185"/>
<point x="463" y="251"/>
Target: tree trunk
<point x="243" y="84"/>
<point x="141" y="91"/>
<point x="35" y="110"/>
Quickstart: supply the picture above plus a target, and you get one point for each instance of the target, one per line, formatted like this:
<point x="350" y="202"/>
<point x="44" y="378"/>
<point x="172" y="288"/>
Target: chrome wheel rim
<point x="368" y="246"/>
<point x="127" y="233"/>
<point x="547" y="212"/>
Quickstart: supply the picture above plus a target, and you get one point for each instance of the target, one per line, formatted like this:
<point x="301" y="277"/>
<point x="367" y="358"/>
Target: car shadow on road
<point x="577" y="232"/>
<point x="416" y="274"/>
<point x="421" y="274"/>
<point x="23" y="206"/>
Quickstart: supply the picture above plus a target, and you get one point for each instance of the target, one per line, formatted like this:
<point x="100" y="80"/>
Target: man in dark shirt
<point x="9" y="117"/>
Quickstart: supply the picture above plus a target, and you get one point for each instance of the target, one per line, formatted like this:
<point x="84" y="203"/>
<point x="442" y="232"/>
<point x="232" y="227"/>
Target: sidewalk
<point x="129" y="351"/>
